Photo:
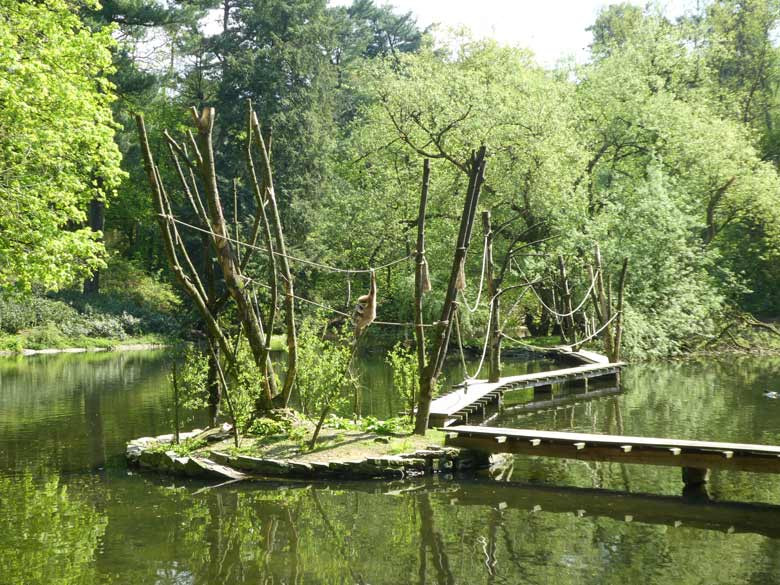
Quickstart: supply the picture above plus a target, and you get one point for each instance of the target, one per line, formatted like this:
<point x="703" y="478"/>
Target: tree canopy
<point x="57" y="147"/>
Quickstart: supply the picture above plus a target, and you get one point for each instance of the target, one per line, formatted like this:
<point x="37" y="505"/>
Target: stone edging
<point x="430" y="461"/>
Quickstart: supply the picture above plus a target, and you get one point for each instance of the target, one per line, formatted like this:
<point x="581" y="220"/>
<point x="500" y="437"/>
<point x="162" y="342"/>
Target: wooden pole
<point x="419" y="329"/>
<point x="430" y="373"/>
<point x="494" y="335"/>
<point x="619" y="319"/>
<point x="284" y="264"/>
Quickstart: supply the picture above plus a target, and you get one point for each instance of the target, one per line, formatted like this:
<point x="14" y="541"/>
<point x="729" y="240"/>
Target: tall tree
<point x="57" y="149"/>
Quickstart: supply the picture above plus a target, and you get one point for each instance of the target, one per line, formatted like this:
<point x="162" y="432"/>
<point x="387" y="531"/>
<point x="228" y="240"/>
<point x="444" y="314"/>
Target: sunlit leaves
<point x="56" y="142"/>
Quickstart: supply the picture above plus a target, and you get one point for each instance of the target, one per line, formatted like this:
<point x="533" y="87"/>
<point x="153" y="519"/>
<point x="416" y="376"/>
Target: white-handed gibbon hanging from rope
<point x="365" y="309"/>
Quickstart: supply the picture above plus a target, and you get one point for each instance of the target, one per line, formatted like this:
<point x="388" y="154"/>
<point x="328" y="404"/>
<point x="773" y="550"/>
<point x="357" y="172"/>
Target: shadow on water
<point x="63" y="522"/>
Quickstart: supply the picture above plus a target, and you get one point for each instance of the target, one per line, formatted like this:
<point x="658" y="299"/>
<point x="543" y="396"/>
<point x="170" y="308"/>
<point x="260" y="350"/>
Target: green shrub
<point x="25" y="312"/>
<point x="406" y="377"/>
<point x="264" y="427"/>
<point x="45" y="336"/>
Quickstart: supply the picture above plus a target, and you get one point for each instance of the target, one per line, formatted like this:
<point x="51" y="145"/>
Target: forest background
<point x="663" y="148"/>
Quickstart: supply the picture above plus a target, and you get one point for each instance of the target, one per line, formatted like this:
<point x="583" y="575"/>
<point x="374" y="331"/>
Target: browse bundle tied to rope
<point x="460" y="280"/>
<point x="426" y="277"/>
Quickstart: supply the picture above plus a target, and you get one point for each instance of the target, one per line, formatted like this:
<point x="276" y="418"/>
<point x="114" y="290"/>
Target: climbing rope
<point x="334" y="310"/>
<point x="288" y="256"/>
<point x="467" y="378"/>
<point x="553" y="312"/>
<point x="481" y="280"/>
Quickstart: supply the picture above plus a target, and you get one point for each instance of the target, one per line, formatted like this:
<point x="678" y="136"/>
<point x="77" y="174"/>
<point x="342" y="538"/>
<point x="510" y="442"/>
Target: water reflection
<point x="435" y="533"/>
<point x="49" y="535"/>
<point x="67" y="517"/>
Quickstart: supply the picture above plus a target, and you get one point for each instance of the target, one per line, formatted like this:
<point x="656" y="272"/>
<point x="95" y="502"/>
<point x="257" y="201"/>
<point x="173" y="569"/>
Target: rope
<point x="599" y="330"/>
<point x="466" y="376"/>
<point x="481" y="280"/>
<point x="484" y="346"/>
<point x="288" y="256"/>
<point x="579" y="343"/>
<point x="333" y="310"/>
<point x="553" y="312"/>
<point x="528" y="345"/>
<point x="460" y="346"/>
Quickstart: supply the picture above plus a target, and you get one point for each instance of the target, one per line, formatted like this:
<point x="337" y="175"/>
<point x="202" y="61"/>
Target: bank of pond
<point x="73" y="512"/>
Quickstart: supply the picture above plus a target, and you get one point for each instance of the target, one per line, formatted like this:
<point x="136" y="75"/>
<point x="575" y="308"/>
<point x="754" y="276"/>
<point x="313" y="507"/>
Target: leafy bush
<point x="134" y="304"/>
<point x="322" y="370"/>
<point x="406" y="378"/>
<point x="370" y="424"/>
<point x="18" y="313"/>
<point x="264" y="427"/>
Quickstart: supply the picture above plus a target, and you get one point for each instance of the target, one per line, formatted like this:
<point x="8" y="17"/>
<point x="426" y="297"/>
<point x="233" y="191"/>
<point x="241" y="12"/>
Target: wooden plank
<point x="643" y="450"/>
<point x="617" y="439"/>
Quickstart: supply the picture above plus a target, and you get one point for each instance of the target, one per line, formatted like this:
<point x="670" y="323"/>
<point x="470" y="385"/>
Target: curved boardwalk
<point x="476" y="395"/>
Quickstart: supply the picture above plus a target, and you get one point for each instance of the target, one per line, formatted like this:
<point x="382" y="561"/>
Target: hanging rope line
<point x="466" y="377"/>
<point x="553" y="312"/>
<point x="460" y="347"/>
<point x="332" y="309"/>
<point x="539" y="348"/>
<point x="484" y="346"/>
<point x="524" y="344"/>
<point x="288" y="256"/>
<point x="481" y="280"/>
<point x="599" y="330"/>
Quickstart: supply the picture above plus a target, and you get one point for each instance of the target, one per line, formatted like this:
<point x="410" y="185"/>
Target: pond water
<point x="72" y="513"/>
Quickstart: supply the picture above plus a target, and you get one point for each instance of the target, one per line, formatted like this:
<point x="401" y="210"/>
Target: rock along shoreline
<point x="149" y="453"/>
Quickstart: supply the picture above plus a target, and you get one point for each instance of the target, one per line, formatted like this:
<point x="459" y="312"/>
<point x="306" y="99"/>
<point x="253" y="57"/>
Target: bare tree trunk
<point x="605" y="310"/>
<point x="289" y="294"/>
<point x="226" y="255"/>
<point x="188" y="281"/>
<point x="568" y="331"/>
<point x="619" y="319"/>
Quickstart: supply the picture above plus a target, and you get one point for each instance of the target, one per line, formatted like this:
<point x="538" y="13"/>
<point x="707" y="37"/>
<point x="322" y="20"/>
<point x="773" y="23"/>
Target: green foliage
<point x="390" y="426"/>
<point x="264" y="427"/>
<point x="185" y="447"/>
<point x="370" y="424"/>
<point x="56" y="142"/>
<point x="406" y="375"/>
<point x="192" y="377"/>
<point x="68" y="319"/>
<point x="323" y="377"/>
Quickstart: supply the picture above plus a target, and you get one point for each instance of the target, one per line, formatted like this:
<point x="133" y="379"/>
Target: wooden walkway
<point x="690" y="455"/>
<point x="466" y="399"/>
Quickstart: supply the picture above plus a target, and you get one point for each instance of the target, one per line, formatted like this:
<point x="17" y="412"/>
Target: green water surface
<point x="72" y="513"/>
